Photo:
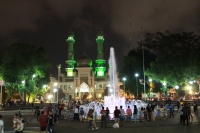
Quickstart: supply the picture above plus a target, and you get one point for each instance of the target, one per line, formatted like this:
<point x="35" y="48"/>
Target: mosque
<point x="80" y="80"/>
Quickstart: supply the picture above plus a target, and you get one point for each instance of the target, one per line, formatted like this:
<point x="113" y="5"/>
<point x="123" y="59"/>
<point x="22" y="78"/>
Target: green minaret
<point x="70" y="55"/>
<point x="100" y="69"/>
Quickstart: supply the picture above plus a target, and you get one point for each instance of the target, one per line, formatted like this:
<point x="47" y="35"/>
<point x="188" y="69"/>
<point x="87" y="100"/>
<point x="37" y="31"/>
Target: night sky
<point x="47" y="23"/>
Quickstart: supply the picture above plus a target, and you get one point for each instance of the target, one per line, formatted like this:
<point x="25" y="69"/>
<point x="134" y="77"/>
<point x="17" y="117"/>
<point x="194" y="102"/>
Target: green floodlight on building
<point x="70" y="72"/>
<point x="100" y="71"/>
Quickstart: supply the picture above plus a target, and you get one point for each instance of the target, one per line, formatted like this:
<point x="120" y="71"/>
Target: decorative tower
<point x="100" y="68"/>
<point x="70" y="57"/>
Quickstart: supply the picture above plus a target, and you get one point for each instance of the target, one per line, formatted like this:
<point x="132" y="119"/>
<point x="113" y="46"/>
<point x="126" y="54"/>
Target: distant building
<point x="81" y="81"/>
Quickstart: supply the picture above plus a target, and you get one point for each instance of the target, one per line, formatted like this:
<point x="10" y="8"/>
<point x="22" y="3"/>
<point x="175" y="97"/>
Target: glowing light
<point x="50" y="96"/>
<point x="136" y="75"/>
<point x="99" y="95"/>
<point x="150" y="80"/>
<point x="55" y="90"/>
<point x="124" y="79"/>
<point x="55" y="84"/>
<point x="164" y="83"/>
<point x="190" y="82"/>
<point x="44" y="86"/>
<point x="189" y="87"/>
<point x="176" y="86"/>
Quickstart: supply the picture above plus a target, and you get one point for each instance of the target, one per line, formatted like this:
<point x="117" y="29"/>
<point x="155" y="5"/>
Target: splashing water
<point x="113" y="99"/>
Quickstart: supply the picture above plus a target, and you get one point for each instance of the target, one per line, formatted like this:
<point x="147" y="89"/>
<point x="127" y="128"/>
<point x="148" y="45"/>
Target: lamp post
<point x="136" y="75"/>
<point x="177" y="87"/>
<point x="124" y="79"/>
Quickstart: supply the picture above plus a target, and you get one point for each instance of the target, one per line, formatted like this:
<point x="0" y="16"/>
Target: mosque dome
<point x="84" y="61"/>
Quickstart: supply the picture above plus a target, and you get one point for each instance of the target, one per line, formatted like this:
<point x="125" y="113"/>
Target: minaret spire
<point x="100" y="69"/>
<point x="70" y="55"/>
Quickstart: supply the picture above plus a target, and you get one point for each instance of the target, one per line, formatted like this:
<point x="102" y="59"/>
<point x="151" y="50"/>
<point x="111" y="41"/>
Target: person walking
<point x="103" y="117"/>
<point x="51" y="120"/>
<point x="116" y="115"/>
<point x="1" y="124"/>
<point x="135" y="113"/>
<point x="90" y="119"/>
<point x="129" y="114"/>
<point x="43" y="122"/>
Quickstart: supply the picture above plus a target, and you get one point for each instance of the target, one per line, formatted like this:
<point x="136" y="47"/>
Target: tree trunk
<point x="28" y="97"/>
<point x="24" y="96"/>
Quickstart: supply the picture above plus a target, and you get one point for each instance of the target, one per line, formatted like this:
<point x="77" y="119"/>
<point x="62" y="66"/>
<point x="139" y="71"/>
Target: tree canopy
<point x="168" y="57"/>
<point x="133" y="63"/>
<point x="177" y="59"/>
<point x="23" y="67"/>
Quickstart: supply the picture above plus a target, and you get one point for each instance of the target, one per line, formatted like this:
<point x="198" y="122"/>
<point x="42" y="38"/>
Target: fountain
<point x="114" y="97"/>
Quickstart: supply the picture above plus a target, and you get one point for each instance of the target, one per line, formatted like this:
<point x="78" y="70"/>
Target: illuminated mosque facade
<point x="80" y="79"/>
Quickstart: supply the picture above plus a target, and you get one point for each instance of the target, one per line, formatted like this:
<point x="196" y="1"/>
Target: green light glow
<point x="100" y="71"/>
<point x="100" y="62"/>
<point x="70" y="72"/>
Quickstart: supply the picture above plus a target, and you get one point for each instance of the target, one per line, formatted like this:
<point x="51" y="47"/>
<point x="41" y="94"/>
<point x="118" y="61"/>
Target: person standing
<point x="43" y="122"/>
<point x="51" y="122"/>
<point x="17" y="124"/>
<point x="171" y="110"/>
<point x="116" y="115"/>
<point x="178" y="105"/>
<point x="142" y="114"/>
<point x="186" y="112"/>
<point x="1" y="125"/>
<point x="135" y="113"/>
<point x="129" y="114"/>
<point x="55" y="112"/>
<point x="103" y="117"/>
<point x="81" y="113"/>
<point x="76" y="112"/>
<point x="107" y="114"/>
<point x="195" y="108"/>
<point x="122" y="116"/>
<point x="148" y="108"/>
<point x="181" y="114"/>
<point x="94" y="119"/>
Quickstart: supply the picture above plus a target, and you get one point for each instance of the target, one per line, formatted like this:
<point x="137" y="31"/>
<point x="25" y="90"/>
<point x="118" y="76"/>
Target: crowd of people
<point x="51" y="114"/>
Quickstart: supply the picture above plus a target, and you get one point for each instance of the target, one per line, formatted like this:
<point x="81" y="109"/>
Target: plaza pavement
<point x="66" y="126"/>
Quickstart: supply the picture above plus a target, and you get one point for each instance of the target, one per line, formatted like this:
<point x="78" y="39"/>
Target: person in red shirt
<point x="43" y="122"/>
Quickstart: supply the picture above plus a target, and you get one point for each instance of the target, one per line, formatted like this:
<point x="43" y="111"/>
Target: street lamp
<point x="136" y="75"/>
<point x="55" y="90"/>
<point x="177" y="87"/>
<point x="124" y="79"/>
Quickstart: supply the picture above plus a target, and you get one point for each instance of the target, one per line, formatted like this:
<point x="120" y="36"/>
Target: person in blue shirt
<point x="171" y="110"/>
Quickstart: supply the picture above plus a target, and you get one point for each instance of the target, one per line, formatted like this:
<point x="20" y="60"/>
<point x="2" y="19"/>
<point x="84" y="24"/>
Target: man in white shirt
<point x="1" y="125"/>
